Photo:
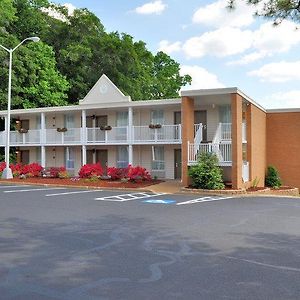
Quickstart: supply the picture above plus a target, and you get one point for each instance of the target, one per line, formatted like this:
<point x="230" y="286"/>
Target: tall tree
<point x="167" y="81"/>
<point x="36" y="81"/>
<point x="277" y="10"/>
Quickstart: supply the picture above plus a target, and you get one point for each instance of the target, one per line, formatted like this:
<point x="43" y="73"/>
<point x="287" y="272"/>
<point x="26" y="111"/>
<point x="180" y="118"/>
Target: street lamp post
<point x="7" y="173"/>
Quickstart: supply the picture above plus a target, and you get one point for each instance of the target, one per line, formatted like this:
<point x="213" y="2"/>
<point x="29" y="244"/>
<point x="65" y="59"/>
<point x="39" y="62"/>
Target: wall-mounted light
<point x="213" y="106"/>
<point x="93" y="117"/>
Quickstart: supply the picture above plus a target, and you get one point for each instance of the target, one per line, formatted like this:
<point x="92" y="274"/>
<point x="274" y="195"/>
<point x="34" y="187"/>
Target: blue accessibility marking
<point x="159" y="201"/>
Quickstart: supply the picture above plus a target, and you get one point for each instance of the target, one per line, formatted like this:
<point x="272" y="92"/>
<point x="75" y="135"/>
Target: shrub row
<point x="130" y="173"/>
<point x="88" y="171"/>
<point x="30" y="170"/>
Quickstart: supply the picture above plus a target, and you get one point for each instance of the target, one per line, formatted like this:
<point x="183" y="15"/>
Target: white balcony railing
<point x="71" y="136"/>
<point x="114" y="135"/>
<point x="222" y="150"/>
<point x="17" y="138"/>
<point x="167" y="133"/>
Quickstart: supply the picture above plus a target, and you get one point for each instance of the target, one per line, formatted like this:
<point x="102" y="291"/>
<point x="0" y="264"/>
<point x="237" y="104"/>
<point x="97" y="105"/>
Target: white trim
<point x="283" y="110"/>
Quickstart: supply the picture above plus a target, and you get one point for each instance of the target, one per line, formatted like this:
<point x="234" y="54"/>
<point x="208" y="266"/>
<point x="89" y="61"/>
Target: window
<point x="70" y="158"/>
<point x="69" y="121"/>
<point x="38" y="155"/>
<point x="225" y="114"/>
<point x="158" y="159"/>
<point x="69" y="124"/>
<point x="122" y="121"/>
<point x="38" y="122"/>
<point x="122" y="157"/>
<point x="157" y="117"/>
<point x="122" y="118"/>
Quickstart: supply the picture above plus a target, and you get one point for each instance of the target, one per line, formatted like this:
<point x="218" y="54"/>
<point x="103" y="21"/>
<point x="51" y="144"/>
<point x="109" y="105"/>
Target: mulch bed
<point x="84" y="182"/>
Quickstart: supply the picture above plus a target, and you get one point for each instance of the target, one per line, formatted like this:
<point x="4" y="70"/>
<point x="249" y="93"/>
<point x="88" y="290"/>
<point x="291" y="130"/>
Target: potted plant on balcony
<point x="106" y="127"/>
<point x="63" y="129"/>
<point x="152" y="126"/>
<point x="23" y="130"/>
<point x="157" y="126"/>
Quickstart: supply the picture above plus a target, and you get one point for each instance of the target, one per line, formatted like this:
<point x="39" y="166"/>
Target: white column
<point x="83" y="127"/>
<point x="83" y="155"/>
<point x="43" y="128"/>
<point x="130" y="141"/>
<point x="130" y="124"/>
<point x="130" y="154"/>
<point x="43" y="156"/>
<point x="43" y="140"/>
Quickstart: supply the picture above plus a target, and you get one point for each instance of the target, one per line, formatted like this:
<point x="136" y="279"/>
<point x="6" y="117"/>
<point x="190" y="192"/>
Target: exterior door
<point x="177" y="163"/>
<point x="102" y="158"/>
<point x="201" y="117"/>
<point x="25" y="124"/>
<point x="89" y="156"/>
<point x="101" y="121"/>
<point x="25" y="157"/>
<point x="177" y="117"/>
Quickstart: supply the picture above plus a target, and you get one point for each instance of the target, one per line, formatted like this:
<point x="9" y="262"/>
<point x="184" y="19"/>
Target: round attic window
<point x="103" y="88"/>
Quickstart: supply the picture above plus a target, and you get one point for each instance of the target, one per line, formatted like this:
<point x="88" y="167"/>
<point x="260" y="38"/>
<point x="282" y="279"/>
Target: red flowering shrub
<point x="58" y="172"/>
<point x="137" y="173"/>
<point x="32" y="170"/>
<point x="90" y="170"/>
<point x="2" y="166"/>
<point x="16" y="169"/>
<point x="117" y="173"/>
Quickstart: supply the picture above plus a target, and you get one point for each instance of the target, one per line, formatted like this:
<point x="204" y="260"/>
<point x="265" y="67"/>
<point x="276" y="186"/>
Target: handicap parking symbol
<point x="159" y="201"/>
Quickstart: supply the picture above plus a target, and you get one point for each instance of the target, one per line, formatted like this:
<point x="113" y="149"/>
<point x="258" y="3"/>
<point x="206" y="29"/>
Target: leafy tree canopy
<point x="75" y="51"/>
<point x="277" y="10"/>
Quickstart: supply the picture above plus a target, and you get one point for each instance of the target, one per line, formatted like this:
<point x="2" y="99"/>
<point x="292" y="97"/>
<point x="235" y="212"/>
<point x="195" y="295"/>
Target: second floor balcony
<point x="170" y="134"/>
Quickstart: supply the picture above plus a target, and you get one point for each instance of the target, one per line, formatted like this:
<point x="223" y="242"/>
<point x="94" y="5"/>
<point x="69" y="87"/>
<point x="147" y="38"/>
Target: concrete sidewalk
<point x="169" y="186"/>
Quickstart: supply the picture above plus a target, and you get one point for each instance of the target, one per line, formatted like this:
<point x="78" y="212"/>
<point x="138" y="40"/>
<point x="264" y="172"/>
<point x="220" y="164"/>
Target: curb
<point x="77" y="187"/>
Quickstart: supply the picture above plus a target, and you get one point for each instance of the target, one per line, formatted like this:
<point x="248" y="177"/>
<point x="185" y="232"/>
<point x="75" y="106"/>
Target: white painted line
<point x="33" y="190"/>
<point x="11" y="186"/>
<point x="71" y="193"/>
<point x="129" y="197"/>
<point x="203" y="199"/>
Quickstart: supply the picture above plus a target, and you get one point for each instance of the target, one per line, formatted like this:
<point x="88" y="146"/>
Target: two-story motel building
<point x="164" y="136"/>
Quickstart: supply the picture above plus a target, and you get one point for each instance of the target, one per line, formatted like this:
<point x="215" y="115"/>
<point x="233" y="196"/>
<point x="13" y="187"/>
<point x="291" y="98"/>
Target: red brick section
<point x="256" y="143"/>
<point x="283" y="145"/>
<point x="237" y="154"/>
<point x="187" y="123"/>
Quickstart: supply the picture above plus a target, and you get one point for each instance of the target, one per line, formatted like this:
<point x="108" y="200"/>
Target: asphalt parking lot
<point x="77" y="244"/>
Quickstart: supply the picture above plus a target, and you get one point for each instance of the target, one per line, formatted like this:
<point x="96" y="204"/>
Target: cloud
<point x="278" y="72"/>
<point x="168" y="47"/>
<point x="155" y="7"/>
<point x="221" y="42"/>
<point x="269" y="40"/>
<point x="289" y="99"/>
<point x="218" y="15"/>
<point x="202" y="79"/>
<point x="56" y="14"/>
<point x="70" y="7"/>
<point x="249" y="58"/>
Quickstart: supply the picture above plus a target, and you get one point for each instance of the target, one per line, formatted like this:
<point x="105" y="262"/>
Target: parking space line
<point x="203" y="199"/>
<point x="71" y="193"/>
<point x="12" y="186"/>
<point x="129" y="197"/>
<point x="33" y="190"/>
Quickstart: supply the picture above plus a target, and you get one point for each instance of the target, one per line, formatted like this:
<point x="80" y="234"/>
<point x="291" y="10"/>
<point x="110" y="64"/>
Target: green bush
<point x="206" y="174"/>
<point x="272" y="178"/>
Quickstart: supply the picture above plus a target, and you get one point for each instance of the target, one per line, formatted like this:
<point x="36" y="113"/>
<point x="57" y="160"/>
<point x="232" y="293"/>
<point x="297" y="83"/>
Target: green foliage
<point x="75" y="51"/>
<point x="255" y="182"/>
<point x="36" y="82"/>
<point x="272" y="178"/>
<point x="277" y="10"/>
<point x="206" y="174"/>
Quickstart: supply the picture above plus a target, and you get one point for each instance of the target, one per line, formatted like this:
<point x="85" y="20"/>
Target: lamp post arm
<point x="5" y="48"/>
<point x="20" y="44"/>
